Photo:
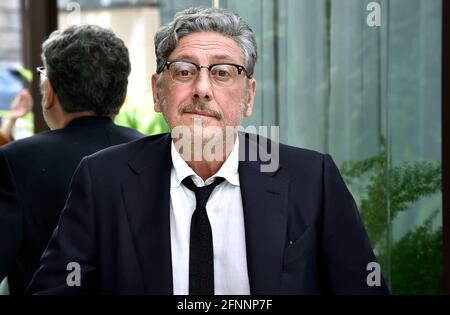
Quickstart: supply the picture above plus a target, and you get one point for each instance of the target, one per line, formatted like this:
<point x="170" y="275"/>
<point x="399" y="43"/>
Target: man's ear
<point x="49" y="95"/>
<point x="251" y="92"/>
<point x="155" y="90"/>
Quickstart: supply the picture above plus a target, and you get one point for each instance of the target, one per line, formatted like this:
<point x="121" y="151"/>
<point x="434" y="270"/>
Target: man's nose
<point x="202" y="86"/>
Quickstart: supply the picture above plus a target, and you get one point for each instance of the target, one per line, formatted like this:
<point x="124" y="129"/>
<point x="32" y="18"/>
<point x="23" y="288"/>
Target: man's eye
<point x="221" y="74"/>
<point x="184" y="73"/>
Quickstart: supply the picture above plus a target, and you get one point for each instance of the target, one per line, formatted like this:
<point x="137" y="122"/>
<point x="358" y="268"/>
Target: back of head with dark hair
<point x="89" y="67"/>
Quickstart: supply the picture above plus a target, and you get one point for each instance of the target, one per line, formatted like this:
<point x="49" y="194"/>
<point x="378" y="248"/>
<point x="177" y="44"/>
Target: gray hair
<point x="88" y="66"/>
<point x="201" y="19"/>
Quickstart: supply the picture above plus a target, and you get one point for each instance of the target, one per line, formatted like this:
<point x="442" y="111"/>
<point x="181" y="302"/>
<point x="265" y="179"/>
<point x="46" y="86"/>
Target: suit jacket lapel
<point x="264" y="198"/>
<point x="147" y="202"/>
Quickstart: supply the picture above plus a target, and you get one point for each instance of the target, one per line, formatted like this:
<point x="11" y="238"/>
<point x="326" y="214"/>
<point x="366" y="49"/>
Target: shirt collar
<point x="228" y="170"/>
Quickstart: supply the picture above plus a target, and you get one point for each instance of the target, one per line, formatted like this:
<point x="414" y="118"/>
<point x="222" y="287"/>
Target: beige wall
<point x="136" y="27"/>
<point x="10" y="33"/>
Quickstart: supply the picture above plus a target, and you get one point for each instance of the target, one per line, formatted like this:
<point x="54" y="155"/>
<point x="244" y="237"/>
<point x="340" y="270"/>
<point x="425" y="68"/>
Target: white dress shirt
<point x="225" y="213"/>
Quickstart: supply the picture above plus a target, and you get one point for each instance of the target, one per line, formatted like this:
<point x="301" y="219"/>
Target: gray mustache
<point x="200" y="107"/>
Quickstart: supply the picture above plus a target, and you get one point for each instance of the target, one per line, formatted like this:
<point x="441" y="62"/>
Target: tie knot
<point x="201" y="193"/>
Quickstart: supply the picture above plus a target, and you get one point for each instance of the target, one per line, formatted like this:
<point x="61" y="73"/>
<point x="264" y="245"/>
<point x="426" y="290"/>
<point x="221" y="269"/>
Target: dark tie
<point x="201" y="254"/>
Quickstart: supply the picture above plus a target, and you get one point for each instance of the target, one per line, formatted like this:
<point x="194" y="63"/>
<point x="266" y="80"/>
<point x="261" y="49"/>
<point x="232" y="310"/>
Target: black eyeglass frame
<point x="42" y="71"/>
<point x="240" y="68"/>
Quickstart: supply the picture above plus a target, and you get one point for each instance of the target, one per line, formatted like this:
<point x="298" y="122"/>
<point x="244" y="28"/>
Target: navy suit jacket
<point x="303" y="231"/>
<point x="35" y="174"/>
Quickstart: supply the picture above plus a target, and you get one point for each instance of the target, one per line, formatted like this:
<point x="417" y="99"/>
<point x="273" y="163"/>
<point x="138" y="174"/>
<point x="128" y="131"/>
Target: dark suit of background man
<point x="138" y="218"/>
<point x="84" y="85"/>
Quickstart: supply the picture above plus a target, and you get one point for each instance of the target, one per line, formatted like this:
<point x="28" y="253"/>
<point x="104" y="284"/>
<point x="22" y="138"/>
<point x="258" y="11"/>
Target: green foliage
<point x="416" y="260"/>
<point x="416" y="257"/>
<point x="137" y="115"/>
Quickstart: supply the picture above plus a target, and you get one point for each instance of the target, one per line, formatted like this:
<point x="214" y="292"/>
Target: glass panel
<point x="13" y="77"/>
<point x="10" y="82"/>
<point x="135" y="22"/>
<point x="414" y="113"/>
<point x="369" y="96"/>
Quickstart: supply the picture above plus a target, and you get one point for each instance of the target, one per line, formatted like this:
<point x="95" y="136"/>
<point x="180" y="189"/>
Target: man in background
<point x="84" y="82"/>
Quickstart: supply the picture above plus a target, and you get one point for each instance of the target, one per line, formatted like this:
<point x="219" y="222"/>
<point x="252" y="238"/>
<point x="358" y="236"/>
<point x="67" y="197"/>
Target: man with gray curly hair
<point x="85" y="73"/>
<point x="160" y="216"/>
<point x="83" y="82"/>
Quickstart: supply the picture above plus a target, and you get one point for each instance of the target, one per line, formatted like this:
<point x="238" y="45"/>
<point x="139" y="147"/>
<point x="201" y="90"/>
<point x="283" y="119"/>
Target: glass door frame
<point x="446" y="142"/>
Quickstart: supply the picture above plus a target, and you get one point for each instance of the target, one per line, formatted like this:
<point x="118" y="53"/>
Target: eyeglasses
<point x="222" y="74"/>
<point x="41" y="70"/>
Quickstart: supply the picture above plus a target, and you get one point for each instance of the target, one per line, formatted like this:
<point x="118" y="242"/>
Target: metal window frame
<point x="39" y="19"/>
<point x="446" y="143"/>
